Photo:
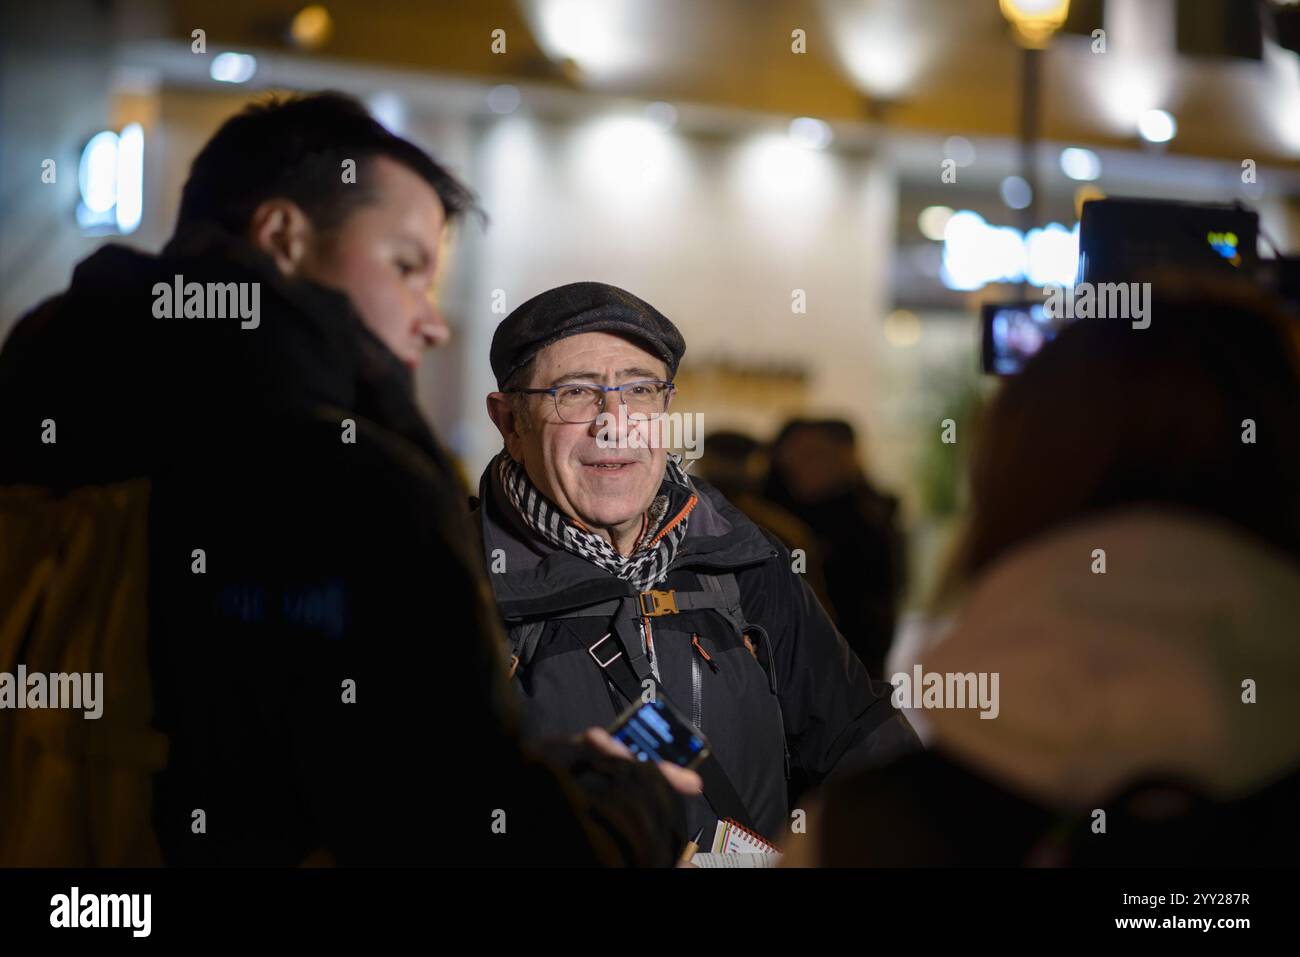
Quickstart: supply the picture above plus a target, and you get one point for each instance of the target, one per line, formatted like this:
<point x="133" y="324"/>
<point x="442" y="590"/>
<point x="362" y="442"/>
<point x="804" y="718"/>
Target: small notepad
<point x="736" y="860"/>
<point x="731" y="838"/>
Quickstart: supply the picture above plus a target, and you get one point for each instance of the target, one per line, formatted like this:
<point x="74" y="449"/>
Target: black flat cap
<point x="576" y="308"/>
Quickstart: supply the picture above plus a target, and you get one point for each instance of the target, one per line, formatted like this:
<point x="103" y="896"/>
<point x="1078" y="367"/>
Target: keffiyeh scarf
<point x="665" y="524"/>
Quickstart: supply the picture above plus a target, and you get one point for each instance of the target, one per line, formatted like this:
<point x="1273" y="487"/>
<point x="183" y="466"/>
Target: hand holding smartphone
<point x="658" y="731"/>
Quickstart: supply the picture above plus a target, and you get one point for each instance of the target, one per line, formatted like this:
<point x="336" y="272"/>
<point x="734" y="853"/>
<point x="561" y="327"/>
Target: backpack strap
<point x="523" y="637"/>
<point x="627" y="668"/>
<point x="522" y="640"/>
<point x="622" y="659"/>
<point x="721" y="592"/>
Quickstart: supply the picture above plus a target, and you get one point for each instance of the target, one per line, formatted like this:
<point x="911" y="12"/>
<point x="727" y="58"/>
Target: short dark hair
<point x="294" y="147"/>
<point x="518" y="402"/>
<point x="520" y="378"/>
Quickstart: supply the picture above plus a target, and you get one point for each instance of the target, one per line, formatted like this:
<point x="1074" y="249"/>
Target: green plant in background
<point x="940" y="473"/>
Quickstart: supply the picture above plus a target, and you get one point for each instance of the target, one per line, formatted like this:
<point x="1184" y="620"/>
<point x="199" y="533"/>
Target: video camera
<point x="1122" y="240"/>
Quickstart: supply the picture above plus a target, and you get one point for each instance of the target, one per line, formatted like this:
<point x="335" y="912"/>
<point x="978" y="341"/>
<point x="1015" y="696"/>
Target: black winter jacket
<point x="326" y="562"/>
<point x="826" y="711"/>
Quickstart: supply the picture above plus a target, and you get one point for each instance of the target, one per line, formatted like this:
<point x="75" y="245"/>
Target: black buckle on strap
<point x="596" y="658"/>
<point x="655" y="603"/>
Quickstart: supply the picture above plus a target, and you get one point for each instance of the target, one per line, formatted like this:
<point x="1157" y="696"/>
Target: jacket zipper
<point x="695" y="643"/>
<point x="648" y="648"/>
<point x="697" y="693"/>
<point x="697" y="680"/>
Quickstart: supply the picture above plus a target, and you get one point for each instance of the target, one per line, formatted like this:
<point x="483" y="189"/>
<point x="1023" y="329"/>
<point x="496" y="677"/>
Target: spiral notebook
<point x="737" y="846"/>
<point x="736" y="860"/>
<point x="732" y="838"/>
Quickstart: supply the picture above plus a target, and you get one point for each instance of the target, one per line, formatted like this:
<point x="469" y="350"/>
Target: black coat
<point x="326" y="562"/>
<point x="863" y="560"/>
<point x="827" y="711"/>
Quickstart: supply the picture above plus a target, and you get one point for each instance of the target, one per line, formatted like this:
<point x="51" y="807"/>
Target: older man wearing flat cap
<point x="620" y="577"/>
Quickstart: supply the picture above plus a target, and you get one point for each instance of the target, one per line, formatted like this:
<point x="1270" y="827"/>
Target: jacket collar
<point x="97" y="351"/>
<point x="539" y="579"/>
<point x="326" y="310"/>
<point x="310" y="351"/>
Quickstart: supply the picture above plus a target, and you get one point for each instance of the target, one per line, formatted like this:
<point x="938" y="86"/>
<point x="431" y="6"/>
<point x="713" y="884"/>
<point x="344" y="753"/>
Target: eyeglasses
<point x="582" y="403"/>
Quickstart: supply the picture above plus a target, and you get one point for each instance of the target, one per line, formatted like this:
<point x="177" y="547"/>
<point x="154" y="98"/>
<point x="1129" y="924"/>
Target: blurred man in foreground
<point x="218" y="492"/>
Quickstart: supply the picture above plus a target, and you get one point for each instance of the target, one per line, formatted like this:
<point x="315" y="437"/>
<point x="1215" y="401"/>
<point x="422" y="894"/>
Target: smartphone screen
<point x="1013" y="333"/>
<point x="656" y="731"/>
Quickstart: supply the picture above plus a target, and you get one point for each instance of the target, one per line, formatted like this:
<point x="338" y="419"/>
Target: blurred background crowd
<point x="770" y="174"/>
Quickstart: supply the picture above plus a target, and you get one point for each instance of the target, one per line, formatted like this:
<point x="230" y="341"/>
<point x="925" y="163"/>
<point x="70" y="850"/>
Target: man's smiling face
<point x="607" y="489"/>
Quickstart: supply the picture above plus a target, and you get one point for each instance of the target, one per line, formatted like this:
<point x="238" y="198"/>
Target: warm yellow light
<point x="902" y="329"/>
<point x="311" y="27"/>
<point x="1085" y="194"/>
<point x="1035" y="21"/>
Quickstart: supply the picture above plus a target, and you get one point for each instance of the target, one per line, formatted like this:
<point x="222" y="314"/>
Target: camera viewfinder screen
<point x="1014" y="333"/>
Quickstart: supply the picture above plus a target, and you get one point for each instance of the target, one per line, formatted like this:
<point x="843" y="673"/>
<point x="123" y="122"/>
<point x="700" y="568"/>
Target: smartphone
<point x="1013" y="332"/>
<point x="657" y="731"/>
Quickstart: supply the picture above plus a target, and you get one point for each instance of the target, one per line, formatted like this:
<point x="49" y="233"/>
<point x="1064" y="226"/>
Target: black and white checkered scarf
<point x="654" y="553"/>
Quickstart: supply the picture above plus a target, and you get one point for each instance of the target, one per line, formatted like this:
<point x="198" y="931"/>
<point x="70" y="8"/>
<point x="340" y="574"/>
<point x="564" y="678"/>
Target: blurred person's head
<point x="814" y="460"/>
<point x="732" y="462"/>
<point x="331" y="196"/>
<point x="547" y="355"/>
<point x="1107" y="415"/>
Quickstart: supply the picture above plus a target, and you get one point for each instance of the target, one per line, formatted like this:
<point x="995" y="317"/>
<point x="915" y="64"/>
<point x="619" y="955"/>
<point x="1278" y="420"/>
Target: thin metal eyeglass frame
<point x="553" y="392"/>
